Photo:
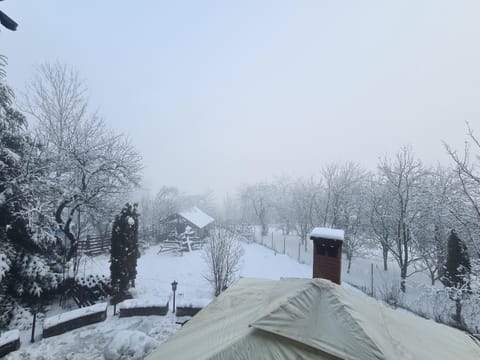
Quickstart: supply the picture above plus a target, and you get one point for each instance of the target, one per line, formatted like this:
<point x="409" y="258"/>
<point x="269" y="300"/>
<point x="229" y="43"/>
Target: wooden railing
<point x="94" y="245"/>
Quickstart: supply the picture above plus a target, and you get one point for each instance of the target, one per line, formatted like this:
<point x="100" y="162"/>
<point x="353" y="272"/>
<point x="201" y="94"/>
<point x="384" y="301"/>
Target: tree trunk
<point x="65" y="227"/>
<point x="264" y="227"/>
<point x="404" y="268"/>
<point x="385" y="257"/>
<point x="458" y="311"/>
<point x="403" y="277"/>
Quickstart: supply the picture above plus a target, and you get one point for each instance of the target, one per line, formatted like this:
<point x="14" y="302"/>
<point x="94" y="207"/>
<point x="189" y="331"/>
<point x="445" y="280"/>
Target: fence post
<point x="87" y="245"/>
<point x="299" y="245"/>
<point x="284" y="244"/>
<point x="371" y="280"/>
<point x="272" y="239"/>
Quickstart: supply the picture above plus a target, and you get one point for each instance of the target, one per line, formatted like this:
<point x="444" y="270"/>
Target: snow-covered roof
<point x="327" y="233"/>
<point x="310" y="319"/>
<point x="197" y="217"/>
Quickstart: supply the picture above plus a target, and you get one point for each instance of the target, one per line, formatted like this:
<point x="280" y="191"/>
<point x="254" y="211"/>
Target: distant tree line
<point x="404" y="208"/>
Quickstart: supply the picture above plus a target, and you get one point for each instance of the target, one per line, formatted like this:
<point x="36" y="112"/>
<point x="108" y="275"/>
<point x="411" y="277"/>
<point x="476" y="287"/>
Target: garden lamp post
<point x="32" y="339"/>
<point x="35" y="308"/>
<point x="174" y="288"/>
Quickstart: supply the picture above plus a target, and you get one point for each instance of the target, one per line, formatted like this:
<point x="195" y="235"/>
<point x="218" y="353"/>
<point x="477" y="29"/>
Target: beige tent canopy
<point x="310" y="319"/>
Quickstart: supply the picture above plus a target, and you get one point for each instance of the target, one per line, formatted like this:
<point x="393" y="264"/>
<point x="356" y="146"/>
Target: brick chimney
<point x="327" y="253"/>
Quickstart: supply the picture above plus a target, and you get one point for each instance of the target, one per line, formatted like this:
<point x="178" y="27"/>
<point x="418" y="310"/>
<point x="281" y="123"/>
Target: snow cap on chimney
<point x="327" y="233"/>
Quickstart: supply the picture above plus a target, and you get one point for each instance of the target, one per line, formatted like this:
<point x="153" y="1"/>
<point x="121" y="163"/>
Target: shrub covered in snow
<point x="222" y="253"/>
<point x="129" y="344"/>
<point x="22" y="318"/>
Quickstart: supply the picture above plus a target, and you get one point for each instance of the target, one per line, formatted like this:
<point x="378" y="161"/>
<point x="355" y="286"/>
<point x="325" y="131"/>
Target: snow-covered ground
<point x="134" y="337"/>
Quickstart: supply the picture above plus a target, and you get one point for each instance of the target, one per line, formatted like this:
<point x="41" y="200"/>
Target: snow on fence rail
<point x="59" y="324"/>
<point x="190" y="307"/>
<point x="187" y="311"/>
<point x="138" y="307"/>
<point x="94" y="245"/>
<point x="9" y="341"/>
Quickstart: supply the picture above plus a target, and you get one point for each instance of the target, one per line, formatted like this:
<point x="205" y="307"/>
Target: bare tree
<point x="427" y="200"/>
<point x="303" y="194"/>
<point x="343" y="204"/>
<point x="353" y="220"/>
<point x="87" y="162"/>
<point x="401" y="178"/>
<point x="145" y="206"/>
<point x="341" y="182"/>
<point x="222" y="253"/>
<point x="467" y="209"/>
<point x="281" y="203"/>
<point x="167" y="201"/>
<point x="435" y="220"/>
<point x="380" y="217"/>
<point x="328" y="207"/>
<point x="230" y="210"/>
<point x="258" y="198"/>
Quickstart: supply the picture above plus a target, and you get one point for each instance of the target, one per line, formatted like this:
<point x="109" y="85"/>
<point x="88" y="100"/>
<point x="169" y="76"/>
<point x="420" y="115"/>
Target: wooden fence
<point x="94" y="245"/>
<point x="97" y="244"/>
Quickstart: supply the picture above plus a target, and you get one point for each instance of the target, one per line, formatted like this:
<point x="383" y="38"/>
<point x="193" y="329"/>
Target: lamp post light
<point x="174" y="288"/>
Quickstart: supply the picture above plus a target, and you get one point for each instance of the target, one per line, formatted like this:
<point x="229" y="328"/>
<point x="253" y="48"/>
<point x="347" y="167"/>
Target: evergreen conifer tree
<point x="132" y="244"/>
<point x="456" y="274"/>
<point x="25" y="272"/>
<point x="457" y="266"/>
<point x="124" y="250"/>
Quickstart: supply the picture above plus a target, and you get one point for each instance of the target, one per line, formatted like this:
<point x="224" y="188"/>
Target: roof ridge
<point x="322" y="285"/>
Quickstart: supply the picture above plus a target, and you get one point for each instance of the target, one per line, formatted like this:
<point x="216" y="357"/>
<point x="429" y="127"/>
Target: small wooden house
<point x="198" y="221"/>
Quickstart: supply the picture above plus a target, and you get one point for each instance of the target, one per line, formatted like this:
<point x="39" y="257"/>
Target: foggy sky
<point x="215" y="94"/>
